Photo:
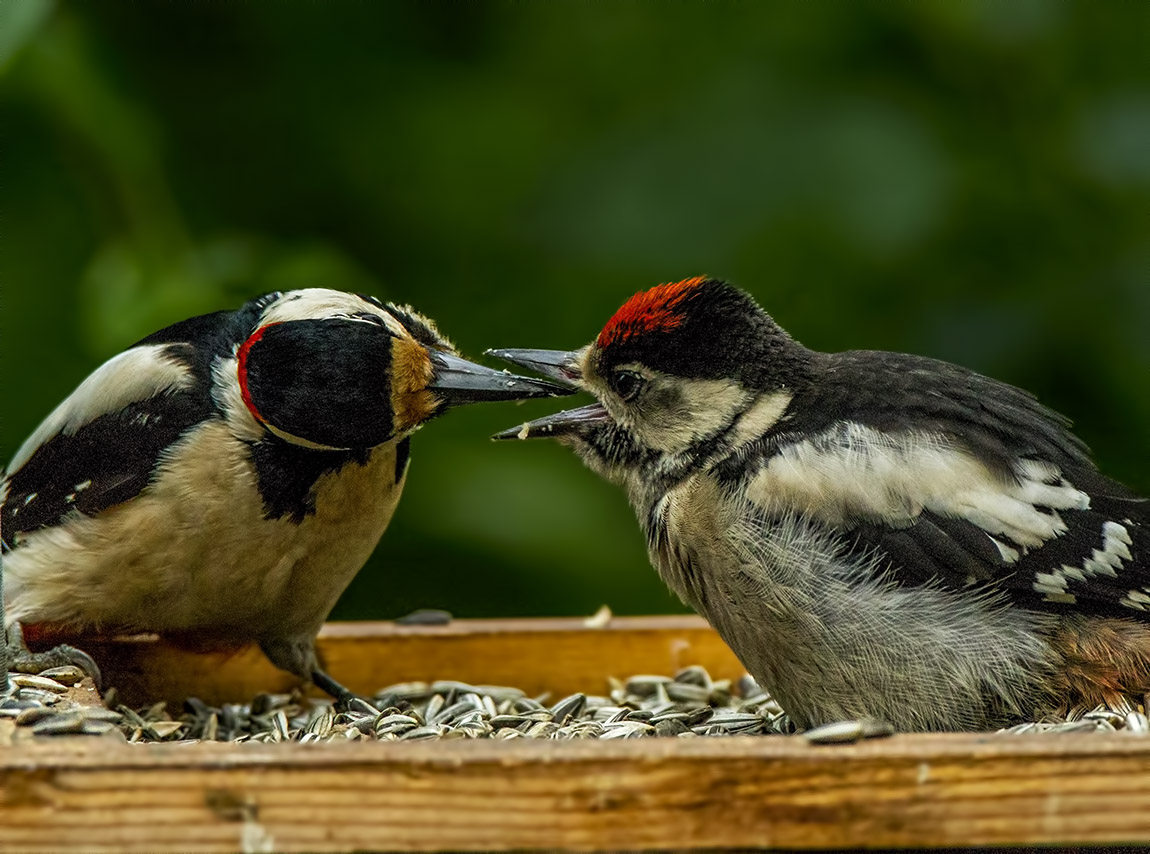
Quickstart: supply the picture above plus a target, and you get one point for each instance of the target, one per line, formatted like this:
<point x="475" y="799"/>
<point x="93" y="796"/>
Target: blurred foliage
<point x="967" y="180"/>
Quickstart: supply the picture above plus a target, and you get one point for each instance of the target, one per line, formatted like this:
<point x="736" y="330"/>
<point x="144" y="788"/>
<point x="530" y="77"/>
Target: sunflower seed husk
<point x="1136" y="722"/>
<point x="842" y="732"/>
<point x="40" y="683"/>
<point x="68" y="674"/>
<point x="164" y="729"/>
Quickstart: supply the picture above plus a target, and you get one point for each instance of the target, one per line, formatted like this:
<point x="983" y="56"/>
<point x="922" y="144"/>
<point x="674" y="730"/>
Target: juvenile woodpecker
<point x="221" y="481"/>
<point x="874" y="534"/>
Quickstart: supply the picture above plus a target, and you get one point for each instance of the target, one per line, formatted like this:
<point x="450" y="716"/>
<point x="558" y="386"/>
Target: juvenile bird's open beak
<point x="559" y="365"/>
<point x="560" y="424"/>
<point x="458" y="381"/>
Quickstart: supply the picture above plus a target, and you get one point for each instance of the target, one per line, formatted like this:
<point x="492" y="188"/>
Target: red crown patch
<point x="654" y="310"/>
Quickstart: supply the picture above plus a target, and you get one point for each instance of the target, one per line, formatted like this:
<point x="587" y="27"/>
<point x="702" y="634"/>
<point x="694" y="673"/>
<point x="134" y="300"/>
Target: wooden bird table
<point x="651" y="794"/>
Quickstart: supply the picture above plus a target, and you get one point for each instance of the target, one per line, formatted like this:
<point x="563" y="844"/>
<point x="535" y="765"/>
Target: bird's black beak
<point x="457" y="381"/>
<point x="559" y="365"/>
<point x="565" y="423"/>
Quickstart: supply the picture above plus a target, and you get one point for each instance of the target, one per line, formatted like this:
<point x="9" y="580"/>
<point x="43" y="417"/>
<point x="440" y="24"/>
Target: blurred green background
<point x="967" y="180"/>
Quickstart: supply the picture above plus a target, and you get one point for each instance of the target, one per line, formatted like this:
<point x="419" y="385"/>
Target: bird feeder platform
<point x="651" y="794"/>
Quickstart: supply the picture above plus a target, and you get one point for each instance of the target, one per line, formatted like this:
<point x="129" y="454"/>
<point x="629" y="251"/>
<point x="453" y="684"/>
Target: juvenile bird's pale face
<point x="671" y="387"/>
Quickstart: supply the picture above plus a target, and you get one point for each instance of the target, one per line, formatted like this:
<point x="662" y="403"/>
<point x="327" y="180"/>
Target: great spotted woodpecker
<point x="222" y="481"/>
<point x="874" y="534"/>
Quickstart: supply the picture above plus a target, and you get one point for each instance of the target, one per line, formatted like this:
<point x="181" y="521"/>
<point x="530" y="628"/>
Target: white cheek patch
<point x="763" y="414"/>
<point x="136" y="374"/>
<point x="704" y="408"/>
<point x="853" y="472"/>
<point x="318" y="303"/>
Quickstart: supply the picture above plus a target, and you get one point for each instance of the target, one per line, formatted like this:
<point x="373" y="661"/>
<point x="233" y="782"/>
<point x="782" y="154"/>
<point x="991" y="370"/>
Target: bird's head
<point x="331" y="370"/>
<point x="677" y="369"/>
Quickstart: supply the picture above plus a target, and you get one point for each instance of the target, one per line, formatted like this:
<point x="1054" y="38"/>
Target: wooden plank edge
<point x="660" y="794"/>
<point x="559" y="656"/>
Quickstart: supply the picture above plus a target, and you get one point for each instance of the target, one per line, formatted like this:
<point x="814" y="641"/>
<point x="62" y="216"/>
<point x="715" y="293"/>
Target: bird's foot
<point x="23" y="660"/>
<point x="347" y="700"/>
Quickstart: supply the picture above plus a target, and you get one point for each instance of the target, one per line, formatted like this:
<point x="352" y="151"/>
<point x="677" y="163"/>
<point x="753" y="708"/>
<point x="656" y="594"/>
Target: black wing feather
<point x="957" y="554"/>
<point x="106" y="462"/>
<point x="896" y="391"/>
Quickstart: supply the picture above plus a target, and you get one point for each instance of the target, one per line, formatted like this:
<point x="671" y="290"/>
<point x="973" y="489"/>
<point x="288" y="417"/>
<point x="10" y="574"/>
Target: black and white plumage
<point x="223" y="480"/>
<point x="874" y="534"/>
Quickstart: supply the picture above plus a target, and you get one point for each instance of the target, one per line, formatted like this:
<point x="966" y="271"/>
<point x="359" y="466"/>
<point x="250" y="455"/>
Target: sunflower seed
<point x="34" y="714"/>
<point x="40" y="683"/>
<point x="841" y="732"/>
<point x="542" y="729"/>
<point x="645" y="685"/>
<point x="670" y="727"/>
<point x="747" y="687"/>
<point x="693" y="675"/>
<point x="686" y="692"/>
<point x="68" y="674"/>
<point x="627" y="729"/>
<point x="424" y="732"/>
<point x="569" y="707"/>
<point x="1137" y="722"/>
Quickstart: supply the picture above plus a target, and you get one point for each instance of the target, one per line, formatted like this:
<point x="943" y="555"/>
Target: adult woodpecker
<point x="221" y="481"/>
<point x="874" y="534"/>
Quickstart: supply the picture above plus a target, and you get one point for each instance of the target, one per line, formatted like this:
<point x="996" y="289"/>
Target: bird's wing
<point x="955" y="479"/>
<point x="101" y="445"/>
<point x="1098" y="563"/>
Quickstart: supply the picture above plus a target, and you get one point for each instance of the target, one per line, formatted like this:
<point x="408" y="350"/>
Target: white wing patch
<point x="136" y="374"/>
<point x="855" y="473"/>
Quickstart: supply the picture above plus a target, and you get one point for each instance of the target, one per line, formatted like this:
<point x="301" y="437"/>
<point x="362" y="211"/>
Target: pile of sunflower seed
<point x="687" y="705"/>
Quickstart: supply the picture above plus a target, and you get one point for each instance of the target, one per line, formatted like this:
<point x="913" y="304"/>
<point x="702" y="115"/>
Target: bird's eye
<point x="627" y="384"/>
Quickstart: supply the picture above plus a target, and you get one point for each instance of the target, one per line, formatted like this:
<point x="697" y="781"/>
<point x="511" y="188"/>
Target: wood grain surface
<point x="672" y="794"/>
<point x="662" y="794"/>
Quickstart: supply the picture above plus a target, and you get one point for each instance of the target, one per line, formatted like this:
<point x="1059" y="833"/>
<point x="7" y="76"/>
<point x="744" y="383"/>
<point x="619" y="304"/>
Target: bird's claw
<point x="23" y="660"/>
<point x="346" y="700"/>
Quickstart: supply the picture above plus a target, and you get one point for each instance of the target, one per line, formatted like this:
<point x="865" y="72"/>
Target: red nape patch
<point x="654" y="310"/>
<point x="242" y="369"/>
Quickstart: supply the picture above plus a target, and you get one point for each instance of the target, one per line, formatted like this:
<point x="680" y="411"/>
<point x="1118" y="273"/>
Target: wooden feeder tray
<point x="649" y="794"/>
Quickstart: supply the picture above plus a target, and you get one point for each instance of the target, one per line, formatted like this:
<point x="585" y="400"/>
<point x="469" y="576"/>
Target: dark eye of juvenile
<point x="626" y="384"/>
